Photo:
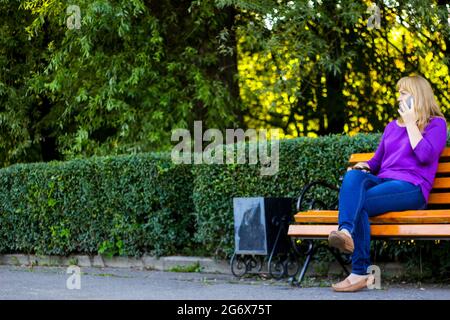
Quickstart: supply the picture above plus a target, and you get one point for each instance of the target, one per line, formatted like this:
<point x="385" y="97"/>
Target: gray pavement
<point x="48" y="283"/>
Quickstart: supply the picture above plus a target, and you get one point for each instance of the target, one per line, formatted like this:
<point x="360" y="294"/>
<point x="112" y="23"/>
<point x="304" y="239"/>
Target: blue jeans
<point x="363" y="195"/>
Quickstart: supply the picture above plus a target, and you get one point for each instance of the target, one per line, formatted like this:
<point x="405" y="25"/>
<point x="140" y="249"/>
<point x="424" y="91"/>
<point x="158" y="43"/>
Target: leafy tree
<point x="134" y="71"/>
<point x="315" y="67"/>
<point x="18" y="61"/>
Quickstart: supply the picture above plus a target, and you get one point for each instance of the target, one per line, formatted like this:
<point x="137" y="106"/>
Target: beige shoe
<point x="341" y="241"/>
<point x="347" y="286"/>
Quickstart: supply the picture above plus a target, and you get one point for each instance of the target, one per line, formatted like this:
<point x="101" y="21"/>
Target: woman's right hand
<point x="363" y="165"/>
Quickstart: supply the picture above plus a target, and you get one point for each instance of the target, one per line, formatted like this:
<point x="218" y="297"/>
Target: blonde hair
<point x="425" y="104"/>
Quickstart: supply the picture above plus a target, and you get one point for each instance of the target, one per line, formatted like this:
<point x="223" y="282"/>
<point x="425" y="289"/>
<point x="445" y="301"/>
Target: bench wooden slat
<point x="439" y="198"/>
<point x="358" y="157"/>
<point x="398" y="217"/>
<point x="441" y="183"/>
<point x="443" y="167"/>
<point x="382" y="231"/>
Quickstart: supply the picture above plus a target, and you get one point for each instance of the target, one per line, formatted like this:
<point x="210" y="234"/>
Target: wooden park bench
<point x="433" y="223"/>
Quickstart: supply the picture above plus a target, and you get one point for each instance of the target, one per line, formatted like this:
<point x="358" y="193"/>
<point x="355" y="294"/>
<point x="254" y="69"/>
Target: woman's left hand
<point x="408" y="115"/>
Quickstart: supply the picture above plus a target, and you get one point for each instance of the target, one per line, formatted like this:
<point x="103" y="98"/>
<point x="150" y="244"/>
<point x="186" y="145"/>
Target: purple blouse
<point x="396" y="159"/>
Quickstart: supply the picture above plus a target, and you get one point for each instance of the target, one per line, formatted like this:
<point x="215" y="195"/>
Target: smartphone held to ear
<point x="409" y="101"/>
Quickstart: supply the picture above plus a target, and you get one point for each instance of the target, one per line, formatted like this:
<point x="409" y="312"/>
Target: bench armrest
<point x="311" y="184"/>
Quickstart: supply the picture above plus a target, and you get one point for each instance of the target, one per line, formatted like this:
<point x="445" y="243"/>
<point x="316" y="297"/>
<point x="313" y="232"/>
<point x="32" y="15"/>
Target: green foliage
<point x="195" y="267"/>
<point x="124" y="205"/>
<point x="133" y="71"/>
<point x="136" y="70"/>
<point x="316" y="67"/>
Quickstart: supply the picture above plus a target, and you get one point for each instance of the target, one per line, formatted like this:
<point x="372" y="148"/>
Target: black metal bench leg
<point x="309" y="254"/>
<point x="272" y="252"/>
<point x="339" y="259"/>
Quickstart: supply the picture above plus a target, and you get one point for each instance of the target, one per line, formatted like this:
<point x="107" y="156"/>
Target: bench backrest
<point x="440" y="194"/>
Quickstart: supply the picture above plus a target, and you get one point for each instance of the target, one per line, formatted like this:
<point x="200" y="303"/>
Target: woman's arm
<point x="414" y="134"/>
<point x="429" y="146"/>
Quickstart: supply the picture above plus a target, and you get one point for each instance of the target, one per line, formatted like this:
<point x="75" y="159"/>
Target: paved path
<point x="108" y="283"/>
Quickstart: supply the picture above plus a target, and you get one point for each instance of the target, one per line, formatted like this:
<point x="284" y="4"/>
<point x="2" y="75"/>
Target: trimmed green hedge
<point x="125" y="205"/>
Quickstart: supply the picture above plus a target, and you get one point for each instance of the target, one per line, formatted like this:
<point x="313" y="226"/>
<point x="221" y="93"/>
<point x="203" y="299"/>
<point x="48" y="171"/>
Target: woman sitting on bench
<point x="399" y="176"/>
